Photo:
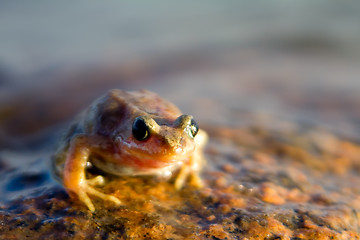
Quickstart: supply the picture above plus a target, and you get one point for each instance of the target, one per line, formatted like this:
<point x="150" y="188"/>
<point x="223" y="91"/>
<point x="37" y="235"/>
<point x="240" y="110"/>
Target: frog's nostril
<point x="171" y="141"/>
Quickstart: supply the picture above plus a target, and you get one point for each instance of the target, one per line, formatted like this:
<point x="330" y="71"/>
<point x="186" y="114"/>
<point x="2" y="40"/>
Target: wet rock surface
<point x="260" y="184"/>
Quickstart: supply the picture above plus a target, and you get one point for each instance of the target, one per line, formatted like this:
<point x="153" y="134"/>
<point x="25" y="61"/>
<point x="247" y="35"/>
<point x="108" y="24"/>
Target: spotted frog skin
<point x="129" y="134"/>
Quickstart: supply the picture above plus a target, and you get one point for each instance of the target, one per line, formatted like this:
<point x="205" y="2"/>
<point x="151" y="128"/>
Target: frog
<point x="129" y="133"/>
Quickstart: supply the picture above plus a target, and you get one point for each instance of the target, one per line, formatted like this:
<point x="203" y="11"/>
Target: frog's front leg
<point x="75" y="181"/>
<point x="193" y="167"/>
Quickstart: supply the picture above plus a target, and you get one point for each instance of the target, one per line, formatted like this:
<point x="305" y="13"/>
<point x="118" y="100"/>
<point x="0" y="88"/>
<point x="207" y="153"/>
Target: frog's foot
<point x="196" y="181"/>
<point x="184" y="173"/>
<point x="86" y="189"/>
<point x="181" y="177"/>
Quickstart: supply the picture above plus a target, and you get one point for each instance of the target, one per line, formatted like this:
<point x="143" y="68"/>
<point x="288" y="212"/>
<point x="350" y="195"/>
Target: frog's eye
<point x="140" y="130"/>
<point x="193" y="128"/>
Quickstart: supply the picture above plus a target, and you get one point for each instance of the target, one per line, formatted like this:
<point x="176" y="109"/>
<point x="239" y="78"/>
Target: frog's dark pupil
<point x="140" y="130"/>
<point x="193" y="128"/>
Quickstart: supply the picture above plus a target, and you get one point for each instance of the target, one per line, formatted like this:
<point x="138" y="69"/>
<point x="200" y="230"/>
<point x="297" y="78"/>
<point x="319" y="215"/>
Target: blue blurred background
<point x="270" y="62"/>
<point x="41" y="34"/>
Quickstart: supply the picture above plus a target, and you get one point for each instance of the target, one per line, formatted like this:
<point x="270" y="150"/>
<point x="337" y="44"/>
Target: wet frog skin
<point x="129" y="134"/>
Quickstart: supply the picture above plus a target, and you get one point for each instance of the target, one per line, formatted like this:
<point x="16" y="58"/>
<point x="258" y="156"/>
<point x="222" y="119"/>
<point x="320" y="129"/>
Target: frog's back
<point x="142" y="102"/>
<point x="116" y="111"/>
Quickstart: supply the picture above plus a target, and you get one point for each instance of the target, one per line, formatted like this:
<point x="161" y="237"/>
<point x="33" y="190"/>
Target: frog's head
<point x="157" y="143"/>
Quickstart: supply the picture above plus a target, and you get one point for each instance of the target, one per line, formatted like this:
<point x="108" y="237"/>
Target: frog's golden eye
<point x="193" y="128"/>
<point x="140" y="130"/>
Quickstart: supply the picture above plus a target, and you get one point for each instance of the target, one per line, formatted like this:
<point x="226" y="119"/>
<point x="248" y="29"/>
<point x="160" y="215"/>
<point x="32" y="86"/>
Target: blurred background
<point x="281" y="64"/>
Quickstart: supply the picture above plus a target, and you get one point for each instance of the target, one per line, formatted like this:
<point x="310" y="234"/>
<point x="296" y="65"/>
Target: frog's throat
<point x="127" y="170"/>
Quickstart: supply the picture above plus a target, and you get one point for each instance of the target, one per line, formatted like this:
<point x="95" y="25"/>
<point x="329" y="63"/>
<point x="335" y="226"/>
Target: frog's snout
<point x="188" y="124"/>
<point x="172" y="140"/>
<point x="180" y="135"/>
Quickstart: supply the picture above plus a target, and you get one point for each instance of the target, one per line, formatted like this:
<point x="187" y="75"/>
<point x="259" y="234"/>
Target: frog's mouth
<point x="154" y="152"/>
<point x="152" y="160"/>
<point x="154" y="155"/>
<point x="135" y="167"/>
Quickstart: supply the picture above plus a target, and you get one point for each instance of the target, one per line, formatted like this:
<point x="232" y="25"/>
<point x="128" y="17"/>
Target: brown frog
<point x="129" y="133"/>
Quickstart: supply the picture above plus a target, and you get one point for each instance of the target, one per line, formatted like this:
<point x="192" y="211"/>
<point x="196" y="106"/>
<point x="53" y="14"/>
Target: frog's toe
<point x="85" y="199"/>
<point x="181" y="178"/>
<point x="96" y="181"/>
<point x="196" y="181"/>
<point x="101" y="195"/>
<point x="179" y="182"/>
